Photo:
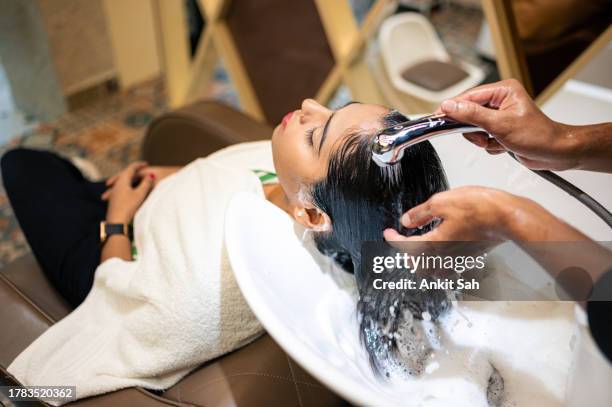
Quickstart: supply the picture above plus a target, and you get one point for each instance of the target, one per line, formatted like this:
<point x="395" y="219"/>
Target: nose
<point x="312" y="110"/>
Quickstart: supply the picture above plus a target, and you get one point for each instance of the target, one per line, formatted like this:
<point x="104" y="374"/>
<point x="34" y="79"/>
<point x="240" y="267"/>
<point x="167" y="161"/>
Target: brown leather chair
<point x="260" y="374"/>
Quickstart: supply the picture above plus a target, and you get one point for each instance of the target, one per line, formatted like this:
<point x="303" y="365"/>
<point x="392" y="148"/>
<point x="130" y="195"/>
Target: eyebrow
<point x="324" y="135"/>
<point x="326" y="127"/>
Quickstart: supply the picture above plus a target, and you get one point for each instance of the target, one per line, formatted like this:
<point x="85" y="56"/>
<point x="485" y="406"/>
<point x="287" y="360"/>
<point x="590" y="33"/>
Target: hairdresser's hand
<point x="483" y="214"/>
<point x="124" y="198"/>
<point x="509" y="114"/>
<point x="467" y="213"/>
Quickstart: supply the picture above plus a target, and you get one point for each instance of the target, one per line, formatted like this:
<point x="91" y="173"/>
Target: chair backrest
<point x="408" y="38"/>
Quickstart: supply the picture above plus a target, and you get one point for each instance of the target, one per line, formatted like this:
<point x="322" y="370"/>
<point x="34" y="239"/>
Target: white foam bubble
<point x="482" y="354"/>
<point x="432" y="367"/>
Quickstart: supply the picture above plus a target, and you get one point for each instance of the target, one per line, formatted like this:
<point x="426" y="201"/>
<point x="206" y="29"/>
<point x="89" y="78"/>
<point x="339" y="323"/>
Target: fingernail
<point x="405" y="219"/>
<point x="449" y="105"/>
<point x="151" y="175"/>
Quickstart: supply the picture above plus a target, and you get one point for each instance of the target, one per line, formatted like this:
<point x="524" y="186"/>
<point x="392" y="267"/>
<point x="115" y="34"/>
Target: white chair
<point x="407" y="39"/>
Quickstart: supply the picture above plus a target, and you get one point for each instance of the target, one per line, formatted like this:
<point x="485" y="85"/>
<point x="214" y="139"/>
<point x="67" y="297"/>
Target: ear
<point x="312" y="218"/>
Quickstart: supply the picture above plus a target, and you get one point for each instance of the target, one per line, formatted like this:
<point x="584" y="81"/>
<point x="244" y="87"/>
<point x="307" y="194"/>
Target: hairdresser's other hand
<point x="466" y="213"/>
<point x="124" y="199"/>
<point x="508" y="113"/>
<point x="483" y="214"/>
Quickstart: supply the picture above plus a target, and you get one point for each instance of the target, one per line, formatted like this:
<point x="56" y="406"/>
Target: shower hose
<point x="576" y="192"/>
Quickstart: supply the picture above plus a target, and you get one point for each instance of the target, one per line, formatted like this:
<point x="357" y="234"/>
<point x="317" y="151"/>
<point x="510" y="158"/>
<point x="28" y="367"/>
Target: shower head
<point x="389" y="144"/>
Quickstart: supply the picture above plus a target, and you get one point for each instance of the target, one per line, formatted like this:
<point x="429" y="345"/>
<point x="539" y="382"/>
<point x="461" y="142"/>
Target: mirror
<point x="543" y="43"/>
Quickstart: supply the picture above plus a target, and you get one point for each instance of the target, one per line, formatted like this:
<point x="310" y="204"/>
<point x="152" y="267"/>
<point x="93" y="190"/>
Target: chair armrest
<point x="133" y="397"/>
<point x="181" y="136"/>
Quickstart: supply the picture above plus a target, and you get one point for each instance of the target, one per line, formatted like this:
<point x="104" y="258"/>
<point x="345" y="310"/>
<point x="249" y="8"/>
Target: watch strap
<point x="109" y="229"/>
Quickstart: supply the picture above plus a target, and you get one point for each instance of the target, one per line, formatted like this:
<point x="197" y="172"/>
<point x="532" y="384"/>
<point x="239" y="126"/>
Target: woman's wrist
<point x="114" y="217"/>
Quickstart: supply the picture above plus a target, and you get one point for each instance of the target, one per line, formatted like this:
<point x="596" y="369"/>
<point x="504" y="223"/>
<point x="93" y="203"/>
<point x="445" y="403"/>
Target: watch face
<point x="109" y="229"/>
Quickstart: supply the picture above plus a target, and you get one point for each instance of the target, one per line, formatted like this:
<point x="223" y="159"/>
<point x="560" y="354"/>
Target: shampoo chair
<point x="259" y="374"/>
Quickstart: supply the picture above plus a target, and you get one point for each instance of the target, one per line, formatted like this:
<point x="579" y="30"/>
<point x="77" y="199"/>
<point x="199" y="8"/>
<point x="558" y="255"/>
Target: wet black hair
<point x="362" y="200"/>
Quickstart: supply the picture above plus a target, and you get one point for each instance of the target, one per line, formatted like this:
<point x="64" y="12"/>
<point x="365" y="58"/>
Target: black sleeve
<point x="599" y="312"/>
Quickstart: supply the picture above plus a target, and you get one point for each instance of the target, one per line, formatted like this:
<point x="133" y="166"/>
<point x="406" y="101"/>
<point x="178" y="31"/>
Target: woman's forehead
<point x="361" y="115"/>
<point x="356" y="117"/>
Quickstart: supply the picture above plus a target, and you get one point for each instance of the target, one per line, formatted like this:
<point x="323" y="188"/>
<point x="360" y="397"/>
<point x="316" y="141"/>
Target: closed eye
<point x="309" y="137"/>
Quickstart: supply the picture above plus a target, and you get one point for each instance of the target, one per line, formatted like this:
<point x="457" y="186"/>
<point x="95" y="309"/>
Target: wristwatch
<point x="109" y="229"/>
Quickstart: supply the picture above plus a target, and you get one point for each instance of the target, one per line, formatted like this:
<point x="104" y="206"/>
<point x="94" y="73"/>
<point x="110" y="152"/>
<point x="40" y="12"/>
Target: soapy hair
<point x="362" y="200"/>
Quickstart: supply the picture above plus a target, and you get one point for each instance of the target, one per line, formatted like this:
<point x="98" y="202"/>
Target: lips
<point x="286" y="119"/>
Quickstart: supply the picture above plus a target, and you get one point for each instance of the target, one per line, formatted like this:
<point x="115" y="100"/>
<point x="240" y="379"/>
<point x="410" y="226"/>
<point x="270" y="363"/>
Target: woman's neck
<point x="276" y="195"/>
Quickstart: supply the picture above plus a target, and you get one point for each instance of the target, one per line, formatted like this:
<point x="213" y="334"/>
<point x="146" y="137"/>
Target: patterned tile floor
<point x="107" y="133"/>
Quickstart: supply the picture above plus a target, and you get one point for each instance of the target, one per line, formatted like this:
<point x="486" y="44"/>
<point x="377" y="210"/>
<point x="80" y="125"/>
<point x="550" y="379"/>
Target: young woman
<point x="149" y="319"/>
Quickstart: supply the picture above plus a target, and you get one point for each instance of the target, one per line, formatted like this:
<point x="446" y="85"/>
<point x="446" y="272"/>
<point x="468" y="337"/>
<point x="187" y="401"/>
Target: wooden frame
<point x="186" y="78"/>
<point x="509" y="53"/>
<point x="587" y="55"/>
<point x="511" y="59"/>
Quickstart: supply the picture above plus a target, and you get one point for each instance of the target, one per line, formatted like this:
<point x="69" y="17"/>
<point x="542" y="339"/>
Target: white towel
<point x="151" y="321"/>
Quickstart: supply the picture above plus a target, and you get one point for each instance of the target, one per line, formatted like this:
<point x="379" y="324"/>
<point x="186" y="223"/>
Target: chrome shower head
<point x="389" y="144"/>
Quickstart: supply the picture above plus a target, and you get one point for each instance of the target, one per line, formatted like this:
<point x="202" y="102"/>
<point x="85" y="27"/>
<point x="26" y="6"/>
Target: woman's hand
<point x="124" y="199"/>
<point x="158" y="172"/>
<point x="484" y="214"/>
<point x="142" y="170"/>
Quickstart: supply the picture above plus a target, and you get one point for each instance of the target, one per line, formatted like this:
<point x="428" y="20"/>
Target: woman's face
<point x="303" y="143"/>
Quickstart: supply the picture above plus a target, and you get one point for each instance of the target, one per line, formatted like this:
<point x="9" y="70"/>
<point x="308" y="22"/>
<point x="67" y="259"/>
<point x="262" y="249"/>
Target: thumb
<point x="472" y="113"/>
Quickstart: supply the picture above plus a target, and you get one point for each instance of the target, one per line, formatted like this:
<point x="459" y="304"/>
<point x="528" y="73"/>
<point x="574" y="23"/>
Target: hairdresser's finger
<point x="471" y="112"/>
<point x="494" y="147"/>
<point x="433" y="236"/>
<point x="477" y="138"/>
<point x="106" y="195"/>
<point x="490" y="94"/>
<point x="418" y="216"/>
<point x="439" y="205"/>
<point x="493" y="144"/>
<point x="392" y="235"/>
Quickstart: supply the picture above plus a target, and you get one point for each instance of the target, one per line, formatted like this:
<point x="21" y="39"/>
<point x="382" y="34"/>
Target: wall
<point x="132" y="34"/>
<point x="79" y="42"/>
<point x="26" y="59"/>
